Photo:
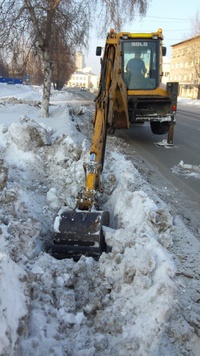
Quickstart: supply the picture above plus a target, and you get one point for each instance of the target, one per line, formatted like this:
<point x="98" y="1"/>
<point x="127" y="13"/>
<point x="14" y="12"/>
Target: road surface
<point x="156" y="163"/>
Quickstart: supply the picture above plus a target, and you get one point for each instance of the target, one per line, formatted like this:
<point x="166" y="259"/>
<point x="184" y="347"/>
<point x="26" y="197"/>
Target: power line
<point x="167" y="18"/>
<point x="166" y="21"/>
<point x="178" y="30"/>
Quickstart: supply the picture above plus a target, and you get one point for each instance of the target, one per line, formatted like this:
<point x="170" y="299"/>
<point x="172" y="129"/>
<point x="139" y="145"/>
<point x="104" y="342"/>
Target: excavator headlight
<point x="125" y="37"/>
<point x="155" y="37"/>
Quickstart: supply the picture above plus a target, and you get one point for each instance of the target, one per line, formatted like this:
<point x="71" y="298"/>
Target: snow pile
<point x="121" y="304"/>
<point x="190" y="102"/>
<point x="187" y="170"/>
<point x="13" y="303"/>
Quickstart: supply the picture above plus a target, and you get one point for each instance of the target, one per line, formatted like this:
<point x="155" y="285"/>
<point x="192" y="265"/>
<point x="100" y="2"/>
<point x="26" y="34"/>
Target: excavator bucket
<point x="78" y="233"/>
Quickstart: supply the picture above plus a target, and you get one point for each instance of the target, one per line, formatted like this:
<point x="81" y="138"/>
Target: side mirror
<point x="164" y="51"/>
<point x="98" y="51"/>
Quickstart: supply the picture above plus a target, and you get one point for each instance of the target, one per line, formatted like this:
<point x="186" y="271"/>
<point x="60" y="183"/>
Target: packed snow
<point x="126" y="304"/>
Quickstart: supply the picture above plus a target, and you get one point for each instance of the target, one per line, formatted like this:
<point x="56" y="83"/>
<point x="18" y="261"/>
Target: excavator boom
<point x="130" y="91"/>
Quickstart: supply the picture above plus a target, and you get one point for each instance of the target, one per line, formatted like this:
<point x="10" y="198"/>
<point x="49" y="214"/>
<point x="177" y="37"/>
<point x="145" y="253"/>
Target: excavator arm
<point x="87" y="198"/>
<point x="80" y="231"/>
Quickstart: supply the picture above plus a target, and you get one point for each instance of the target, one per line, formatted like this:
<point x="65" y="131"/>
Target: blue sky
<point x="175" y="17"/>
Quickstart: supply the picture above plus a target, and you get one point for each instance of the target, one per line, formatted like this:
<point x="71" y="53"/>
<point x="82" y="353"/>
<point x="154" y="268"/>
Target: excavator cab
<point x="140" y="64"/>
<point x="148" y="99"/>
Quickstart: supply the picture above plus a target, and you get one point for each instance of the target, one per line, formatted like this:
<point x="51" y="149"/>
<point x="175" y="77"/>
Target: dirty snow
<point x="187" y="170"/>
<point x="134" y="300"/>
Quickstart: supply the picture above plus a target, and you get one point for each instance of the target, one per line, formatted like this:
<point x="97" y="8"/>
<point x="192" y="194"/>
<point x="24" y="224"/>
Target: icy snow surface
<point x="127" y="303"/>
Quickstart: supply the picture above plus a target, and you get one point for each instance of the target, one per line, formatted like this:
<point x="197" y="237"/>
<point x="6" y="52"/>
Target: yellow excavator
<point x="130" y="91"/>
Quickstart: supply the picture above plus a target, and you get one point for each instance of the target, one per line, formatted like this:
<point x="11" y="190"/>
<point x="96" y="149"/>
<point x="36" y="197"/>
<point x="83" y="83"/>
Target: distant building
<point x="83" y="77"/>
<point x="166" y="70"/>
<point x="80" y="60"/>
<point x="185" y="67"/>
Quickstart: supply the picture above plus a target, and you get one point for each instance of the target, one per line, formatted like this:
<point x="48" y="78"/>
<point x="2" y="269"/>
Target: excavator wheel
<point x="159" y="128"/>
<point x="78" y="233"/>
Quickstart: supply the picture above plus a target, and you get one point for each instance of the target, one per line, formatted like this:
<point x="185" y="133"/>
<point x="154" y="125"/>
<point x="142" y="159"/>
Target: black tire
<point x="159" y="128"/>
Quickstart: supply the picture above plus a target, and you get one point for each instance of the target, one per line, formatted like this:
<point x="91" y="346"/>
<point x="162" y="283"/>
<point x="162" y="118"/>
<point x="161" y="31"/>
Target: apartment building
<point x="185" y="67"/>
<point x="83" y="77"/>
<point x="166" y="70"/>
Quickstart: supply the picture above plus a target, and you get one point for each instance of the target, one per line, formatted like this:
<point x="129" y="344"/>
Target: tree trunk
<point x="198" y="93"/>
<point x="47" y="83"/>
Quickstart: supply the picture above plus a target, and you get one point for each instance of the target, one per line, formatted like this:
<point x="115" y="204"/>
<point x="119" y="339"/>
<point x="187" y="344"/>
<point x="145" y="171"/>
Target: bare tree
<point x="63" y="67"/>
<point x="33" y="68"/>
<point x="196" y="24"/>
<point x="72" y="25"/>
<point x="116" y="13"/>
<point x="62" y="59"/>
<point x="38" y="20"/>
<point x="3" y="67"/>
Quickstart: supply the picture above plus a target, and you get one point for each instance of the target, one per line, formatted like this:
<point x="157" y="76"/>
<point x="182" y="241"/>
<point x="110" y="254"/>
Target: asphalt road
<point x="156" y="162"/>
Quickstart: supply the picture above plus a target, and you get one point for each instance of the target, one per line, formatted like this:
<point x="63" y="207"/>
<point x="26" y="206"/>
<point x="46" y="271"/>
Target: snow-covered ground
<point x="137" y="300"/>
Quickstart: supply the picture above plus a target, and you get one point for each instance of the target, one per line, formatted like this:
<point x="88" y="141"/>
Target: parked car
<point x="83" y="89"/>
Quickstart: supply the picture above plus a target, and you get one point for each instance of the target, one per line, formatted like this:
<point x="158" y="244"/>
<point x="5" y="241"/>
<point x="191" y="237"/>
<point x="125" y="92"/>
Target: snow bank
<point x="119" y="305"/>
<point x="13" y="303"/>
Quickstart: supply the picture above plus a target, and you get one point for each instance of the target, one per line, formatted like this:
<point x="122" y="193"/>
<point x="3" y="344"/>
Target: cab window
<point x="140" y="64"/>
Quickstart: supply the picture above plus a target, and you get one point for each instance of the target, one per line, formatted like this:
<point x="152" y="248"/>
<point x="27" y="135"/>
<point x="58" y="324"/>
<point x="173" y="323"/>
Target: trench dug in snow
<point x="119" y="305"/>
